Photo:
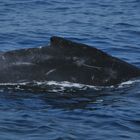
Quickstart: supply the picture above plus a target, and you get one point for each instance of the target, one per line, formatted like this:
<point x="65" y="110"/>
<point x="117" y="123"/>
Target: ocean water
<point x="70" y="111"/>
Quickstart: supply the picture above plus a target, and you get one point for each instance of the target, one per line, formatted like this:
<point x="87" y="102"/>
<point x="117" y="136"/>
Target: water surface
<point x="68" y="111"/>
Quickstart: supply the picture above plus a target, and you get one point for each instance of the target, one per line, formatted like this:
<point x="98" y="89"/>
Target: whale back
<point x="65" y="60"/>
<point x="106" y="69"/>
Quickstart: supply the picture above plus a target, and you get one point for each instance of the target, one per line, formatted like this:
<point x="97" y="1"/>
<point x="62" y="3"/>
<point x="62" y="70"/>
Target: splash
<point x="129" y="83"/>
<point x="48" y="86"/>
<point x="54" y="86"/>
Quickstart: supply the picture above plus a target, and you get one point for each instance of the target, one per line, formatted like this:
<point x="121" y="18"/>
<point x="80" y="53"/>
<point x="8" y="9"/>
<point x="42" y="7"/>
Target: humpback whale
<point x="65" y="60"/>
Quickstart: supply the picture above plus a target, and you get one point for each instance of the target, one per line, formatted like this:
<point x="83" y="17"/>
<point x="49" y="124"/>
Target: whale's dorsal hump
<point x="56" y="41"/>
<point x="71" y="47"/>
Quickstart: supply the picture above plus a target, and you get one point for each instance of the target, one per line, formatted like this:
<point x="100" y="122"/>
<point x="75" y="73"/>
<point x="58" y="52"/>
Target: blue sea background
<point x="66" y="112"/>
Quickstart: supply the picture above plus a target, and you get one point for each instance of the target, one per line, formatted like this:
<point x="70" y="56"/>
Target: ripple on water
<point x="68" y="110"/>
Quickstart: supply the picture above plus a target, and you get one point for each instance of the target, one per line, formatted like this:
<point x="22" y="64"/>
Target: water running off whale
<point x="64" y="60"/>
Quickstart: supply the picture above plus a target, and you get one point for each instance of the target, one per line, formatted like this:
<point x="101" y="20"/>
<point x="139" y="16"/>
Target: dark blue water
<point x="66" y="111"/>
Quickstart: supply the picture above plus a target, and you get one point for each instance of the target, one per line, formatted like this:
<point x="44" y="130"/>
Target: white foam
<point x="68" y="84"/>
<point x="130" y="82"/>
<point x="61" y="85"/>
<point x="65" y="84"/>
<point x="13" y="84"/>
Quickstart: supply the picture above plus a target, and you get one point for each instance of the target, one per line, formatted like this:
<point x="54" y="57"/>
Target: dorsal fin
<point x="76" y="48"/>
<point x="65" y="43"/>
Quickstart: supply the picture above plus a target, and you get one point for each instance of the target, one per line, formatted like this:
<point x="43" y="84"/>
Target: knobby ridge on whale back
<point x="65" y="60"/>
